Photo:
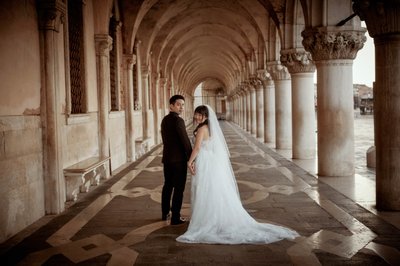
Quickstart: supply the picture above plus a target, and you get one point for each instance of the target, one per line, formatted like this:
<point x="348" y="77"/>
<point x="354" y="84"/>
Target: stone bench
<point x="141" y="146"/>
<point x="80" y="176"/>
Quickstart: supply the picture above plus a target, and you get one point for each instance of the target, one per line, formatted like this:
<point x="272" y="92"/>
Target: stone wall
<point x="21" y="154"/>
<point x="21" y="175"/>
<point x="80" y="140"/>
<point x="117" y="139"/>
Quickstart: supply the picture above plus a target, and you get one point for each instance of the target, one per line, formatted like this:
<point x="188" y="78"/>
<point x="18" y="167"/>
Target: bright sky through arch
<point x="364" y="64"/>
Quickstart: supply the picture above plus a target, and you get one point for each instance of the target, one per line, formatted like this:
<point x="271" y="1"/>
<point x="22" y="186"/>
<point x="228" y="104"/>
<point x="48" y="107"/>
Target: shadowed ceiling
<point x="190" y="41"/>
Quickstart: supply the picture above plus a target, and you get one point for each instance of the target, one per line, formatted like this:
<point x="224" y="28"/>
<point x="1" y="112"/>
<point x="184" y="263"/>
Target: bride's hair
<point x="202" y="110"/>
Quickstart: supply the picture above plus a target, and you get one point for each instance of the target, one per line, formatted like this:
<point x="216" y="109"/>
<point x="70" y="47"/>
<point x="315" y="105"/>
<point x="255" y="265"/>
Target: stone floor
<point x="118" y="223"/>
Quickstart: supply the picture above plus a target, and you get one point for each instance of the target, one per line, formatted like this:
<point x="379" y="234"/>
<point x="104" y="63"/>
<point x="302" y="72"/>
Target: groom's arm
<point x="182" y="133"/>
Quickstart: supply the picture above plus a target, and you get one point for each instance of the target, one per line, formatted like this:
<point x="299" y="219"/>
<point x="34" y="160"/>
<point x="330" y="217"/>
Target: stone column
<point x="244" y="110"/>
<point x="260" y="106"/>
<point x="51" y="15"/>
<point x="103" y="47"/>
<point x="238" y="109"/>
<point x="145" y="101"/>
<point x="333" y="50"/>
<point x="248" y="109"/>
<point x="253" y="115"/>
<point x="117" y="46"/>
<point x="164" y="98"/>
<point x="129" y="61"/>
<point x="156" y="109"/>
<point x="301" y="69"/>
<point x="138" y="74"/>
<point x="269" y="109"/>
<point x="382" y="19"/>
<point x="243" y="116"/>
<point x="283" y="107"/>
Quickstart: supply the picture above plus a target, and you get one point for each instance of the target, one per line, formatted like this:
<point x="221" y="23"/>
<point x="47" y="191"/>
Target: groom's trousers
<point x="174" y="183"/>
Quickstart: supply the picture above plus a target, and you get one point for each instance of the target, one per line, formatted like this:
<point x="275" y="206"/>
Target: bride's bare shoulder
<point x="204" y="130"/>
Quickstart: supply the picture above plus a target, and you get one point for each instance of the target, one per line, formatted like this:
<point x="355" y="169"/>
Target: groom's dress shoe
<point x="164" y="217"/>
<point x="178" y="222"/>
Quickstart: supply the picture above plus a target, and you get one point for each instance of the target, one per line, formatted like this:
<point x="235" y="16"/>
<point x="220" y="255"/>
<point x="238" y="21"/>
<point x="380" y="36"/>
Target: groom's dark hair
<point x="173" y="99"/>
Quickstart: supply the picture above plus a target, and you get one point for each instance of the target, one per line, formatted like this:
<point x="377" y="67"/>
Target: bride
<point x="218" y="216"/>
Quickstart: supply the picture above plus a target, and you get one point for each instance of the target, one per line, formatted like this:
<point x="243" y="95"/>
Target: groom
<point x="176" y="153"/>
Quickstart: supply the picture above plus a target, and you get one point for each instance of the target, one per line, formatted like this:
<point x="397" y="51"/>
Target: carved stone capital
<point x="264" y="77"/>
<point x="130" y="60"/>
<point x="325" y="43"/>
<point x="381" y="16"/>
<point x="145" y="71"/>
<point x="103" y="44"/>
<point x="297" y="61"/>
<point x="163" y="82"/>
<point x="51" y="14"/>
<point x="278" y="71"/>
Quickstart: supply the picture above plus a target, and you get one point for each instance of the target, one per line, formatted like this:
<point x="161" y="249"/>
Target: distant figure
<point x="177" y="149"/>
<point x="218" y="216"/>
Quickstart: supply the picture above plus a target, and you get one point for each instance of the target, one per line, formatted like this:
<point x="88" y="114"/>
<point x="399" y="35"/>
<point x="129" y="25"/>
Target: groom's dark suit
<point x="176" y="153"/>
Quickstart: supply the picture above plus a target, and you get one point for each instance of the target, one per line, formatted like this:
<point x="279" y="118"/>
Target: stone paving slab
<point x="118" y="223"/>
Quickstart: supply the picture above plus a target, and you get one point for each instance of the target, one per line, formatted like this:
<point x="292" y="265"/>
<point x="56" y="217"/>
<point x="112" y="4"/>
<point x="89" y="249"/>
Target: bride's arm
<point x="199" y="138"/>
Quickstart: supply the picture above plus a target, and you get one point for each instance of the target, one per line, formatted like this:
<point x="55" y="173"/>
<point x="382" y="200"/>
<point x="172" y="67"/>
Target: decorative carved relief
<point x="103" y="45"/>
<point x="297" y="61"/>
<point x="325" y="43"/>
<point x="51" y="14"/>
<point x="265" y="77"/>
<point x="130" y="60"/>
<point x="278" y="71"/>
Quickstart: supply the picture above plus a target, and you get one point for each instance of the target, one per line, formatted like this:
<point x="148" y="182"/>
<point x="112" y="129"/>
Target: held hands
<point x="191" y="168"/>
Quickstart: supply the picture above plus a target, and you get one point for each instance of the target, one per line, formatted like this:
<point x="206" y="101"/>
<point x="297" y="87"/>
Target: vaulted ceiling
<point x="189" y="41"/>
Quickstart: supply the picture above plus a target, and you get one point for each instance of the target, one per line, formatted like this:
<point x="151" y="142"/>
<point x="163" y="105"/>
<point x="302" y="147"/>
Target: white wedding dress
<point x="218" y="216"/>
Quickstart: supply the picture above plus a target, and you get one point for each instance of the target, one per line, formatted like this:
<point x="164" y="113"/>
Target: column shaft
<point x="248" y="111"/>
<point x="283" y="114"/>
<point x="303" y="116"/>
<point x="335" y="118"/>
<point x="260" y="111"/>
<point x="253" y="110"/>
<point x="387" y="121"/>
<point x="130" y="132"/>
<point x="103" y="46"/>
<point x="269" y="112"/>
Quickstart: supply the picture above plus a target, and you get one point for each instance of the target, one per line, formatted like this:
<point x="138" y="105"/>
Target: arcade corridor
<point x="119" y="222"/>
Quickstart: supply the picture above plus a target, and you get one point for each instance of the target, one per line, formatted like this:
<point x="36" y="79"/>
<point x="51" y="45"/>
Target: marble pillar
<point x="333" y="50"/>
<point x="243" y="113"/>
<point x="129" y="61"/>
<point x="269" y="110"/>
<point x="145" y="101"/>
<point x="301" y="69"/>
<point x="248" y="110"/>
<point x="156" y="109"/>
<point x="260" y="109"/>
<point x="50" y="16"/>
<point x="283" y="106"/>
<point x="253" y="110"/>
<point x="383" y="25"/>
<point x="103" y="47"/>
<point x="164" y="97"/>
